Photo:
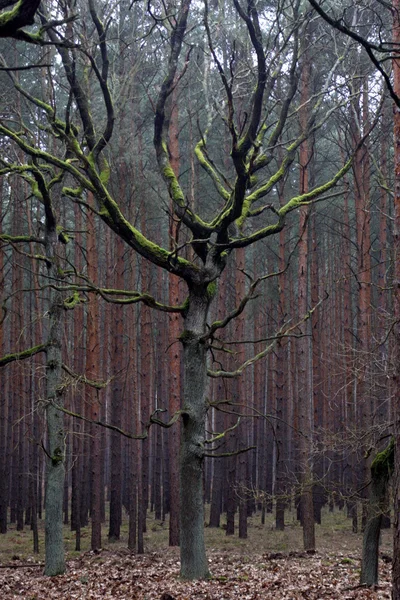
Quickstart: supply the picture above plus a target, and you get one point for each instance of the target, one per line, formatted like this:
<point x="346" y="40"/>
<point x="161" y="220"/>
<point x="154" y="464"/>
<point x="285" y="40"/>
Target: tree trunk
<point x="4" y="449"/>
<point x="281" y="430"/>
<point x="304" y="398"/>
<point x="54" y="543"/>
<point x="174" y="351"/>
<point x="194" y="563"/>
<point x="117" y="403"/>
<point x="381" y="469"/>
<point x="396" y="315"/>
<point x="93" y="395"/>
<point x="216" y="494"/>
<point x="240" y="385"/>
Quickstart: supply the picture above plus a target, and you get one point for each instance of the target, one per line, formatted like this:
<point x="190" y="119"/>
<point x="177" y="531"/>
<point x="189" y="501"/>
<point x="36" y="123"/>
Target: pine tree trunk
<point x="92" y="395"/>
<point x="117" y="402"/>
<point x="216" y="487"/>
<point x="4" y="451"/>
<point x="281" y="398"/>
<point x="241" y="461"/>
<point x="396" y="315"/>
<point x="304" y="397"/>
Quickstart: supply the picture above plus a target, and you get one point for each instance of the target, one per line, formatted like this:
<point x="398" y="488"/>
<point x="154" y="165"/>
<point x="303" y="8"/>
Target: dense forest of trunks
<point x="209" y="190"/>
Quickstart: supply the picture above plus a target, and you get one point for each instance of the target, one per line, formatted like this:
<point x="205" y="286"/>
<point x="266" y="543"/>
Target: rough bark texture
<point x="381" y="470"/>
<point x="117" y="404"/>
<point x="241" y="461"/>
<point x="364" y="401"/>
<point x="281" y="399"/>
<point x="194" y="563"/>
<point x="4" y="463"/>
<point x="304" y="384"/>
<point x="55" y="559"/>
<point x="92" y="395"/>
<point x="174" y="353"/>
<point x="216" y="493"/>
<point x="396" y="315"/>
<point x="21" y="15"/>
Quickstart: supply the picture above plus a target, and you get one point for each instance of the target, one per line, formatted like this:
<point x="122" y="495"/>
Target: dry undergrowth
<point x="266" y="566"/>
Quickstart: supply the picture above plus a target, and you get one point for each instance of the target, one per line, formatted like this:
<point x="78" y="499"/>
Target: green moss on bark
<point x="383" y="463"/>
<point x="212" y="289"/>
<point x="8" y="358"/>
<point x="72" y="301"/>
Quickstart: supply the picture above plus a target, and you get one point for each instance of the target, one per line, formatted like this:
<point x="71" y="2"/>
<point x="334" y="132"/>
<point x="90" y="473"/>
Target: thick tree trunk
<point x="174" y="351"/>
<point x="194" y="563"/>
<point x="54" y="543"/>
<point x="381" y="469"/>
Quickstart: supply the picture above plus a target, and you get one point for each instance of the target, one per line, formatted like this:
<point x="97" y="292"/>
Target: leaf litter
<point x="123" y="575"/>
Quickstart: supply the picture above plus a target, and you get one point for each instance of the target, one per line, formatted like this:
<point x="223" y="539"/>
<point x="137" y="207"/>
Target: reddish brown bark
<point x="241" y="397"/>
<point x="77" y="471"/>
<point x="145" y="380"/>
<point x="134" y="447"/>
<point x="18" y="380"/>
<point x="361" y="173"/>
<point x="382" y="283"/>
<point x="217" y="463"/>
<point x="146" y="359"/>
<point x="4" y="452"/>
<point x="218" y="393"/>
<point x="396" y="307"/>
<point x="116" y="400"/>
<point x="92" y="394"/>
<point x="304" y="397"/>
<point x="281" y="394"/>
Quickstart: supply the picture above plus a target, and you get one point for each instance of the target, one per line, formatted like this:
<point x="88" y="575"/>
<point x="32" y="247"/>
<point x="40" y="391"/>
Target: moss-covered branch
<point x="219" y="436"/>
<point x="235" y="313"/>
<point x="9" y="358"/>
<point x="228" y="454"/>
<point x="65" y="165"/>
<point x="281" y="334"/>
<point x="115" y="296"/>
<point x="103" y="81"/>
<point x="161" y="125"/>
<point x="316" y="195"/>
<point x="98" y="385"/>
<point x="21" y="15"/>
<point x="141" y="436"/>
<point x="20" y="239"/>
<point x="242" y="304"/>
<point x="91" y="180"/>
<point x="209" y="168"/>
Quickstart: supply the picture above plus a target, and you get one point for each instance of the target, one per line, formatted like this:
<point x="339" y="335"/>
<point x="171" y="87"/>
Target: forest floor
<point x="268" y="565"/>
